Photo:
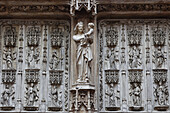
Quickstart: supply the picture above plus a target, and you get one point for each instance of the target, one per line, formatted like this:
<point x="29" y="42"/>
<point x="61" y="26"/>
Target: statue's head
<point x="79" y="28"/>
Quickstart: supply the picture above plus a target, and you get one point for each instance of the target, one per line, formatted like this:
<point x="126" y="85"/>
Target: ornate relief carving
<point x="135" y="93"/>
<point x="159" y="57"/>
<point x="112" y="76"/>
<point x="56" y="37"/>
<point x="56" y="61"/>
<point x="8" y="96"/>
<point x="83" y="100"/>
<point x="135" y="75"/>
<point x="111" y="35"/>
<point x="56" y="98"/>
<point x="161" y="93"/>
<point x="39" y="8"/>
<point x="10" y="37"/>
<point x="56" y="77"/>
<point x="3" y="8"/>
<point x="32" y="75"/>
<point x="33" y="36"/>
<point x="112" y="97"/>
<point x="134" y="37"/>
<point x="101" y="69"/>
<point x="159" y="36"/>
<point x="132" y="7"/>
<point x="111" y="59"/>
<point x="8" y="76"/>
<point x="32" y="58"/>
<point x="89" y="5"/>
<point x="31" y="94"/>
<point x="135" y="57"/>
<point x="9" y="56"/>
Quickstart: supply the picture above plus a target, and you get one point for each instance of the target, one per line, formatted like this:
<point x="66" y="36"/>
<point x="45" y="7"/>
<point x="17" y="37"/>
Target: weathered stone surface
<point x="84" y="56"/>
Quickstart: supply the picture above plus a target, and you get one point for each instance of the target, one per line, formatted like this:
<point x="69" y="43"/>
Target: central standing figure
<point x="84" y="52"/>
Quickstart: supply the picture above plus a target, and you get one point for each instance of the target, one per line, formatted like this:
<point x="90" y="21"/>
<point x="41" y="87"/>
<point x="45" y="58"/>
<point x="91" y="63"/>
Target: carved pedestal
<point x="82" y="98"/>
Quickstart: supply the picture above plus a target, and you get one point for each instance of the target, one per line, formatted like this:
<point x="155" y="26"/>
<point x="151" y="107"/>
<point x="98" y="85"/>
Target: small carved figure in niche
<point x="9" y="56"/>
<point x="31" y="94"/>
<point x="107" y="60"/>
<point x="111" y="94"/>
<point x="84" y="53"/>
<point x="161" y="93"/>
<point x="55" y="60"/>
<point x="56" y="96"/>
<point x="135" y="57"/>
<point x="33" y="56"/>
<point x="159" y="57"/>
<point x="113" y="59"/>
<point x="136" y="94"/>
<point x="7" y="95"/>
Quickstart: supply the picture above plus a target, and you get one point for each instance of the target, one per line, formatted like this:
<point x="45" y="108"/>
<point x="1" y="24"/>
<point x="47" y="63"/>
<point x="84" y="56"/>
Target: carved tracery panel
<point x="34" y="65"/>
<point x="143" y="64"/>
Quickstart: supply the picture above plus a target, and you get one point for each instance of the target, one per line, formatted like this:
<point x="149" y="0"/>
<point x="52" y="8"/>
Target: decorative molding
<point x="38" y="8"/>
<point x="89" y="5"/>
<point x="133" y="7"/>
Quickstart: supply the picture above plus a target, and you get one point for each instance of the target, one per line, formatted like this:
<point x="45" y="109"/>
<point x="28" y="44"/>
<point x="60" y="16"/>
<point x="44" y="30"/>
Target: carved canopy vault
<point x="84" y="56"/>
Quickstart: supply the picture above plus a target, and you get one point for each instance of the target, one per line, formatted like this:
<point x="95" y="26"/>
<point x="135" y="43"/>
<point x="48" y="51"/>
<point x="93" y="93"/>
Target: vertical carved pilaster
<point x="20" y="67"/>
<point x="100" y="68"/>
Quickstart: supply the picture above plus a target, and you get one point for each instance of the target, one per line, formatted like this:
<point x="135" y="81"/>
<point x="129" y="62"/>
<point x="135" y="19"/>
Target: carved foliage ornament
<point x="33" y="36"/>
<point x="56" y="37"/>
<point x="135" y="75"/>
<point x="133" y="7"/>
<point x="159" y="36"/>
<point x="111" y="76"/>
<point x="134" y="37"/>
<point x="10" y="37"/>
<point x="111" y="37"/>
<point x="32" y="75"/>
<point x="56" y="77"/>
<point x="8" y="76"/>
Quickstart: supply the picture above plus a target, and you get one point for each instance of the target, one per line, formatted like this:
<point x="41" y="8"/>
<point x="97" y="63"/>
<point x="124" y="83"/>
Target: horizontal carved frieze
<point x="133" y="7"/>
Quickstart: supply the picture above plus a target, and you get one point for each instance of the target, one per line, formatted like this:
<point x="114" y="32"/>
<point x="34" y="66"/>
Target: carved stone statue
<point x="9" y="56"/>
<point x="7" y="95"/>
<point x="33" y="56"/>
<point x="137" y="94"/>
<point x="161" y="93"/>
<point x="111" y="94"/>
<point x="84" y="52"/>
<point x="31" y="94"/>
<point x="55" y="61"/>
<point x="56" y="96"/>
<point x="135" y="57"/>
<point x="159" y="57"/>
